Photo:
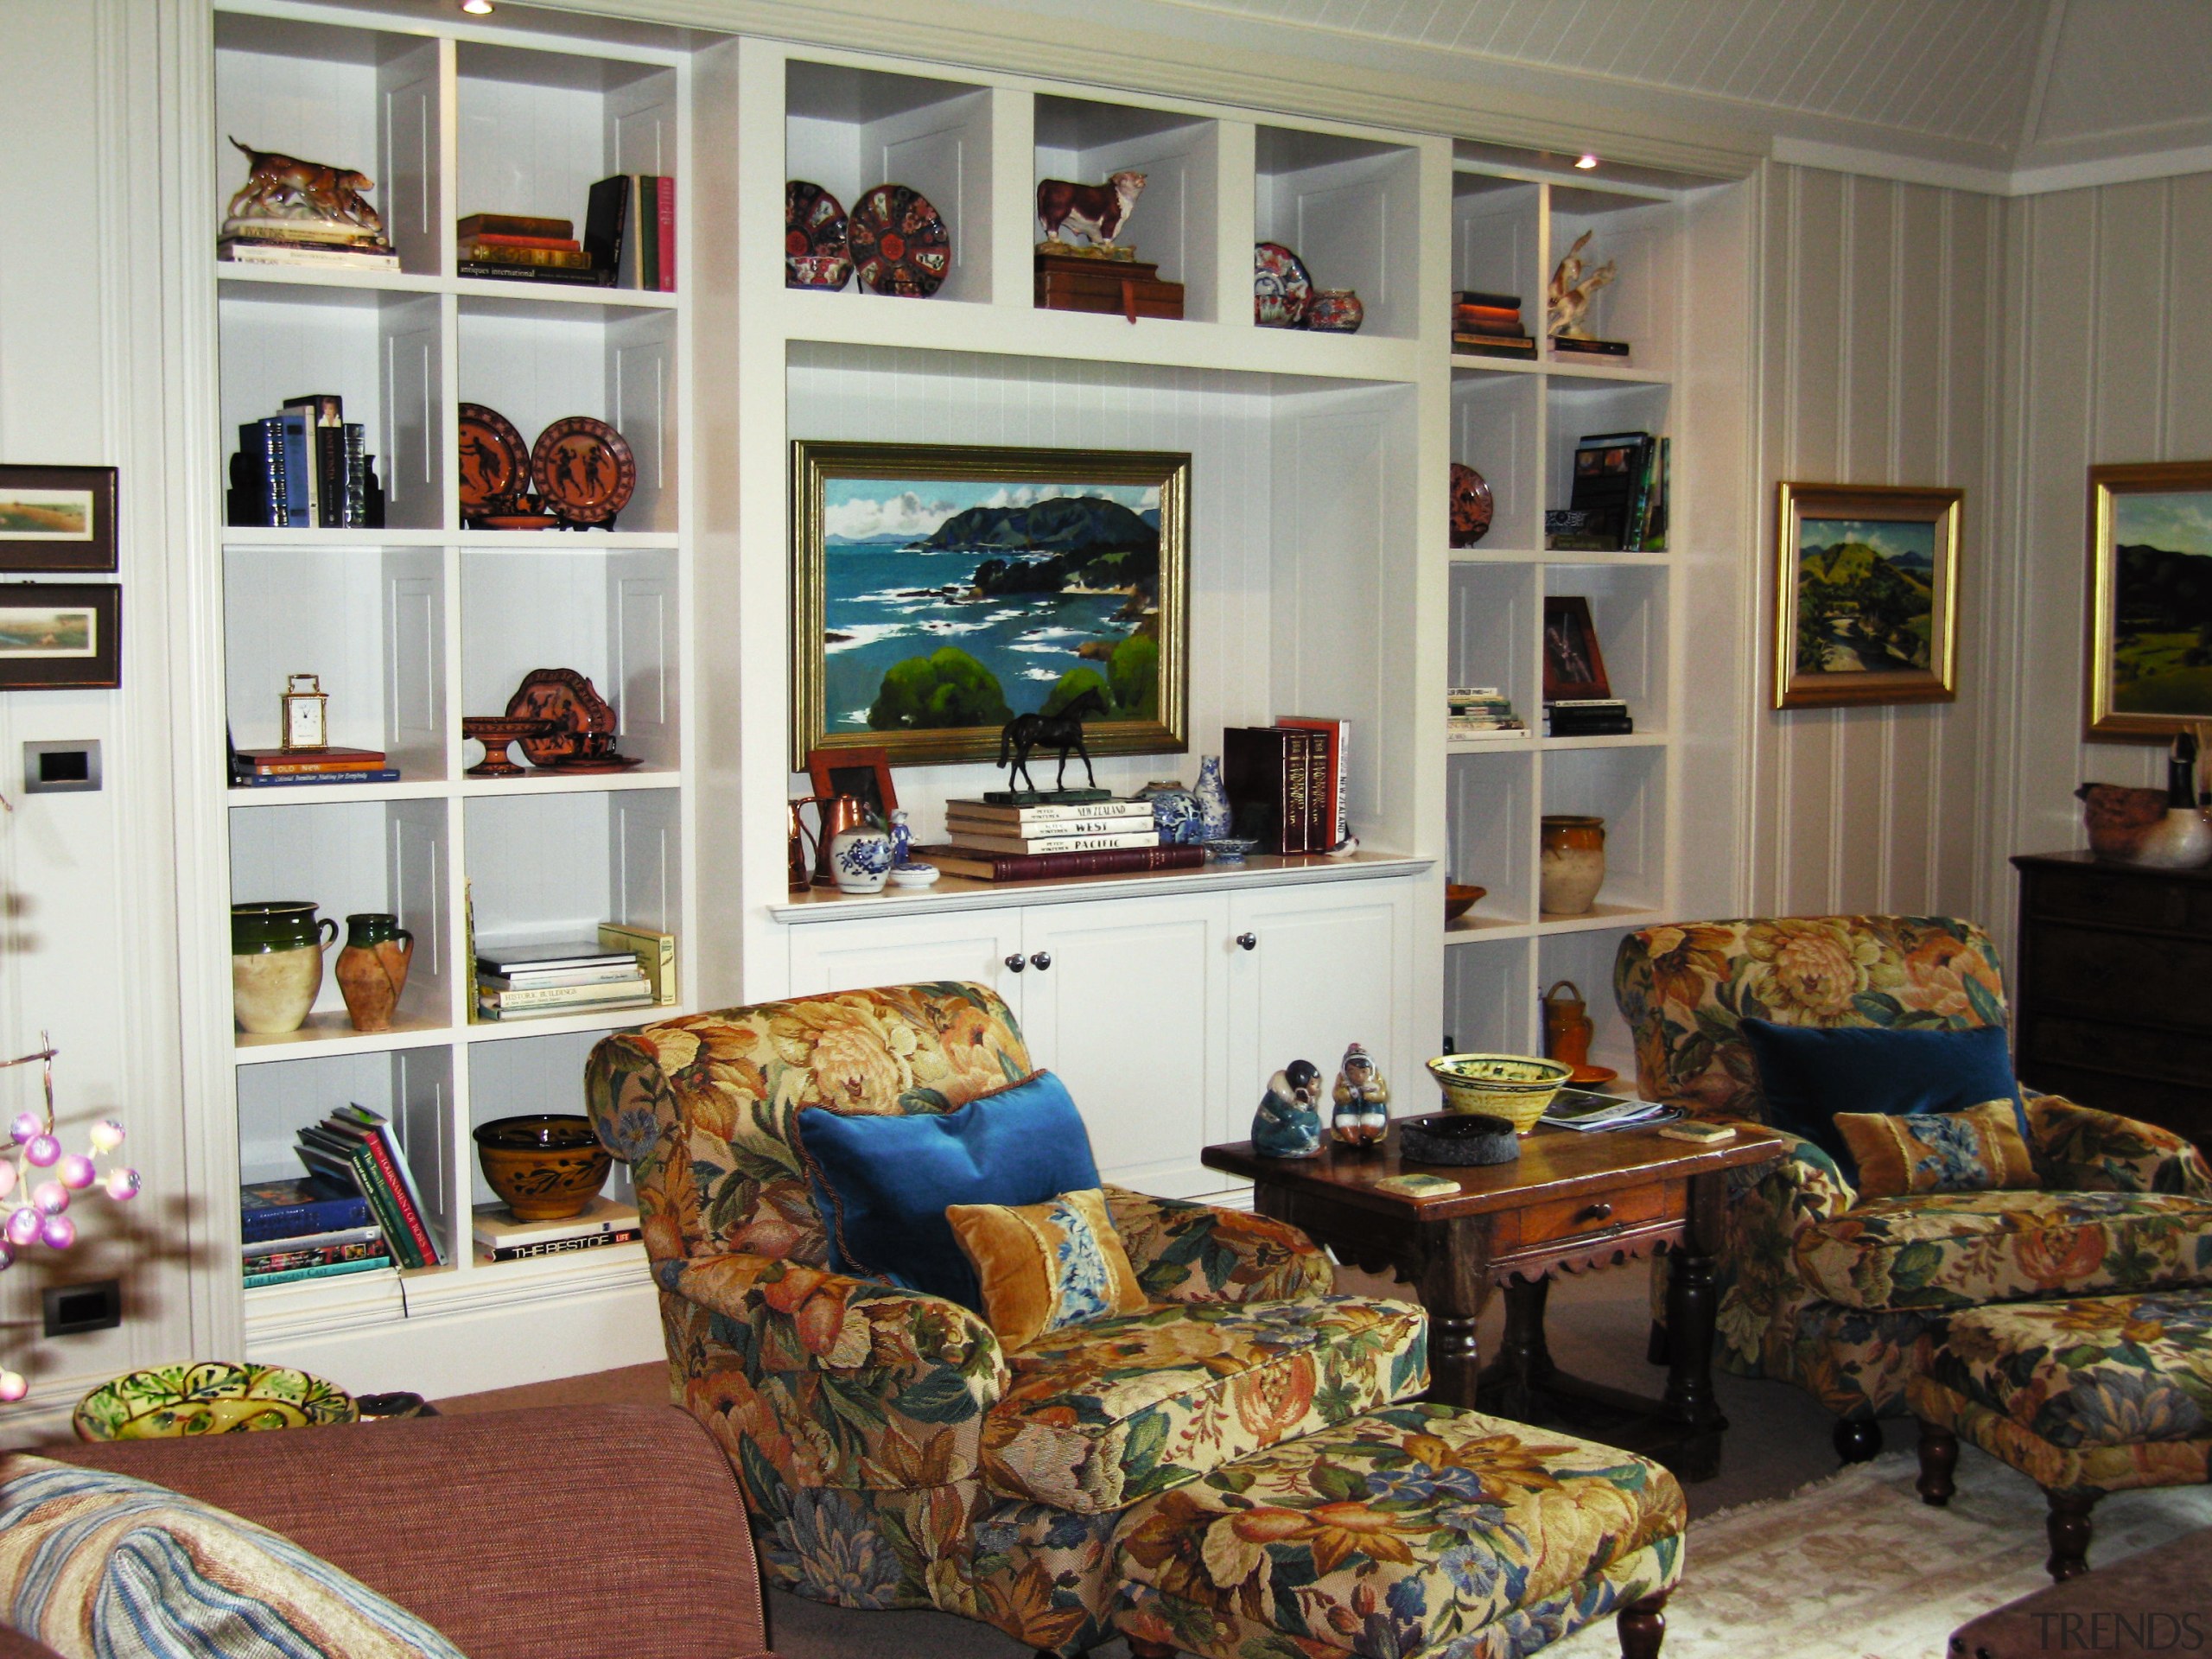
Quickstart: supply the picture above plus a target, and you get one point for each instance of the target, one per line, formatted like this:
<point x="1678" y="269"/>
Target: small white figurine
<point x="1363" y="1098"/>
<point x="1287" y="1125"/>
<point x="1571" y="290"/>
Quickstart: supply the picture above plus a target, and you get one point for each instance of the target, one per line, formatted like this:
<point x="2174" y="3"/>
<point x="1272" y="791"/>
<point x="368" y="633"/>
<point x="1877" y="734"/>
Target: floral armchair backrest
<point x="1683" y="988"/>
<point x="702" y="1108"/>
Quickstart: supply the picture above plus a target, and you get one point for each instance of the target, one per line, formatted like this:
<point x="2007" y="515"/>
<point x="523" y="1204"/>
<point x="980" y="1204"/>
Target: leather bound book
<point x="1058" y="867"/>
<point x="1256" y="766"/>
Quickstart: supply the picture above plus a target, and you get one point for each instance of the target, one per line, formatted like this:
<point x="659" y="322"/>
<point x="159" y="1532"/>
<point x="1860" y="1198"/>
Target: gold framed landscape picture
<point x="1865" y="595"/>
<point x="60" y="634"/>
<point x="939" y="590"/>
<point x="2149" y="598"/>
<point x="57" y="518"/>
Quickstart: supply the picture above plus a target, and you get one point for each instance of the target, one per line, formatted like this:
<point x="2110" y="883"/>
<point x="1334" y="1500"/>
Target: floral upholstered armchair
<point x="1841" y="1296"/>
<point x="892" y="1453"/>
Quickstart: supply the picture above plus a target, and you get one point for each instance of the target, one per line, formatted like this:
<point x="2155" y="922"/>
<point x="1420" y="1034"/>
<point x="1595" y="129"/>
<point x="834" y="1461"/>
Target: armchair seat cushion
<point x="1102" y="1414"/>
<point x="1957" y="1249"/>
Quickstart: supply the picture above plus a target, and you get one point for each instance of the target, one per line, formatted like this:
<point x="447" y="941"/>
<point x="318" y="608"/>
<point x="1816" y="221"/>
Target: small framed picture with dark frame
<point x="864" y="774"/>
<point x="57" y="518"/>
<point x="55" y="635"/>
<point x="1575" y="666"/>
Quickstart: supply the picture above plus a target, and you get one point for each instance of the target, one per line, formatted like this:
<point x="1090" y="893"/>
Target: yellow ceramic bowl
<point x="213" y="1397"/>
<point x="1515" y="1087"/>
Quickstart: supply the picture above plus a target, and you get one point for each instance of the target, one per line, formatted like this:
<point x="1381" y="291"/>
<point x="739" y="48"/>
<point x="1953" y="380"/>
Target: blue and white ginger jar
<point x="860" y="858"/>
<point x="1214" y="818"/>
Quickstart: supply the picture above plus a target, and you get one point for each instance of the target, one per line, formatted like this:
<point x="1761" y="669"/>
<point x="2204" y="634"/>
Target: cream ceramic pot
<point x="276" y="964"/>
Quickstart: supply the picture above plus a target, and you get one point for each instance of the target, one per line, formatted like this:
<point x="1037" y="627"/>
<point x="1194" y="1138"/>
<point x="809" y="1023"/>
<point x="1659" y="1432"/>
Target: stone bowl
<point x="1458" y="1138"/>
<point x="548" y="1166"/>
<point x="1518" y="1087"/>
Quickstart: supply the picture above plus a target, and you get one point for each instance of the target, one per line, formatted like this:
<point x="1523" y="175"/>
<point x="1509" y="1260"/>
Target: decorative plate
<point x="494" y="462"/>
<point x="898" y="243"/>
<point x="584" y="470"/>
<point x="213" y="1397"/>
<point x="1280" y="288"/>
<point x="1471" y="505"/>
<point x="815" y="254"/>
<point x="583" y="725"/>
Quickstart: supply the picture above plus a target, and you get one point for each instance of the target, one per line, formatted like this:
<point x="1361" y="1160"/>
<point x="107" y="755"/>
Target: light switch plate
<point x="62" y="768"/>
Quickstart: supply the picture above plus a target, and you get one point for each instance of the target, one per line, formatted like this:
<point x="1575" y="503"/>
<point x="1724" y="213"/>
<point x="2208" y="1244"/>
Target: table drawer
<point x="1573" y="1218"/>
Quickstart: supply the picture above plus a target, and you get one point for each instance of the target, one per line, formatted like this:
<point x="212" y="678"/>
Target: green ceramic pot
<point x="276" y="964"/>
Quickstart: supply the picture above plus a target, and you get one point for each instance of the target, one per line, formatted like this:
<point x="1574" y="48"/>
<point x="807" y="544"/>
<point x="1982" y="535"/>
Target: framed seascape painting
<point x="57" y="634"/>
<point x="57" y="518"/>
<point x="2149" y="598"/>
<point x="939" y="590"/>
<point x="1865" y="595"/>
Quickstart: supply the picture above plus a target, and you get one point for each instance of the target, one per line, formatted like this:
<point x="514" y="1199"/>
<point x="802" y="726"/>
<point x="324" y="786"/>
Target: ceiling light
<point x="1586" y="163"/>
<point x="476" y="8"/>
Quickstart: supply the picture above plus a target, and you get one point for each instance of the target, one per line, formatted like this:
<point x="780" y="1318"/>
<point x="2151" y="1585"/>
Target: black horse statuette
<point x="1062" y="731"/>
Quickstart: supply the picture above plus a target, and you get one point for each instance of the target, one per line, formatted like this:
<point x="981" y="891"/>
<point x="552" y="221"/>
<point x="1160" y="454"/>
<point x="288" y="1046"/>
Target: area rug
<point x="1856" y="1566"/>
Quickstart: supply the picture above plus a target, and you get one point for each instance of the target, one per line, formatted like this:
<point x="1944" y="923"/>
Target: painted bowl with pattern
<point x="167" y="1402"/>
<point x="1518" y="1087"/>
<point x="548" y="1166"/>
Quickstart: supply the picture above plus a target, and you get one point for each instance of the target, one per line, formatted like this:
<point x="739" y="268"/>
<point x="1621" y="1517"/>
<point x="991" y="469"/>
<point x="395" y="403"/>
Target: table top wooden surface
<point x="1552" y="1164"/>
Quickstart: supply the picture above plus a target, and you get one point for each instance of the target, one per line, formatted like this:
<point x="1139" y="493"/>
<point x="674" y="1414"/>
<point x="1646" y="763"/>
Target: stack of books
<point x="1481" y="711"/>
<point x="1619" y="502"/>
<point x="290" y="242"/>
<point x="629" y="239"/>
<point x="524" y="982"/>
<point x="500" y="1237"/>
<point x="1286" y="782"/>
<point x="508" y="244"/>
<point x="311" y="1229"/>
<point x="1489" y="325"/>
<point x="1587" y="717"/>
<point x="306" y="468"/>
<point x="283" y="768"/>
<point x="355" y="1147"/>
<point x="1078" y="832"/>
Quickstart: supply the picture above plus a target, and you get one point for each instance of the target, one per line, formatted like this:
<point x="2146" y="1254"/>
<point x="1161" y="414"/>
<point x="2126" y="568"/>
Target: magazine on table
<point x="1589" y="1112"/>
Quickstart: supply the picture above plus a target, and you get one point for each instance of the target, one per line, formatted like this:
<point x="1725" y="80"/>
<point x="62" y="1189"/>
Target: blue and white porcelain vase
<point x="1212" y="795"/>
<point x="1174" y="813"/>
<point x="859" y="858"/>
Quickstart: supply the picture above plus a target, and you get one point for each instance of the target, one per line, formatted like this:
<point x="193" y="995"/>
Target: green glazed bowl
<point x="165" y="1402"/>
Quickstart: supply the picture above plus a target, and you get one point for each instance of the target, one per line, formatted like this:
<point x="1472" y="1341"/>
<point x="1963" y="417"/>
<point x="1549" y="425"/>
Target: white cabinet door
<point x="1126" y="1000"/>
<point x="856" y="954"/>
<point x="1326" y="966"/>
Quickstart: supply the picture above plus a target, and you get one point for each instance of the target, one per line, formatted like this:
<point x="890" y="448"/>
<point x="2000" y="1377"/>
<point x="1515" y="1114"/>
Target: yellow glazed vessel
<point x="1515" y="1087"/>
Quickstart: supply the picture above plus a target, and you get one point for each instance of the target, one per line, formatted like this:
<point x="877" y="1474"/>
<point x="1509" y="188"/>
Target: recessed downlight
<point x="1586" y="163"/>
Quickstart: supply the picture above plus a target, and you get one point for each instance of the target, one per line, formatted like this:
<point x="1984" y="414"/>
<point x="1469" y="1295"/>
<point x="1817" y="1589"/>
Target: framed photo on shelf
<point x="57" y="518"/>
<point x="941" y="589"/>
<point x="2149" y="598"/>
<point x="1574" y="665"/>
<point x="864" y="774"/>
<point x="1865" y="595"/>
<point x="55" y="635"/>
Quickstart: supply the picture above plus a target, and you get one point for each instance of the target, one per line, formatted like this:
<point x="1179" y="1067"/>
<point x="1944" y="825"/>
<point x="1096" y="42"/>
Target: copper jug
<point x="800" y="862"/>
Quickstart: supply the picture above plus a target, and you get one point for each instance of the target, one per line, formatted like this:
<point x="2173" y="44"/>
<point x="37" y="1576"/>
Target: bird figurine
<point x="1363" y="1098"/>
<point x="1287" y="1125"/>
<point x="1572" y="291"/>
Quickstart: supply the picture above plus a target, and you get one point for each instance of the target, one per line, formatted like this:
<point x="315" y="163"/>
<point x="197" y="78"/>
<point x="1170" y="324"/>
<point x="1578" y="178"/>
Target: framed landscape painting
<point x="1865" y="595"/>
<point x="56" y="634"/>
<point x="2149" y="598"/>
<point x="57" y="518"/>
<point x="939" y="590"/>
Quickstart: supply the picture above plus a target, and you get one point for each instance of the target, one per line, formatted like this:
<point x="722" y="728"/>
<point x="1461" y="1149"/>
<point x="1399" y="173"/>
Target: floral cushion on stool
<point x="1415" y="1529"/>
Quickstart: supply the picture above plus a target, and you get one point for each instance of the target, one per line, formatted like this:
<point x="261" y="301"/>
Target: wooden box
<point x="1128" y="288"/>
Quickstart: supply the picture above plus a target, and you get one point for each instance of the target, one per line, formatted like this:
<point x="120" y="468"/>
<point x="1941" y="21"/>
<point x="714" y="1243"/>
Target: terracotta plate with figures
<point x="494" y="462"/>
<point x="1471" y="505"/>
<point x="581" y="724"/>
<point x="584" y="470"/>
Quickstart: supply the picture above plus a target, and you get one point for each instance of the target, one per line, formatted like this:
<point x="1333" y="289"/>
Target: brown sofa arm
<point x="586" y="1530"/>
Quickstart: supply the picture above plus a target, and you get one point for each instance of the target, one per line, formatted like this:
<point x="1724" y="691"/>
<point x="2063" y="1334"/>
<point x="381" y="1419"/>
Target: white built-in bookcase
<point x="1321" y="580"/>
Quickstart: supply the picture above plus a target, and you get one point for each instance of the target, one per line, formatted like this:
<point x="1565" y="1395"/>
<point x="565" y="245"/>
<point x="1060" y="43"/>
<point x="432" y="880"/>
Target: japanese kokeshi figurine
<point x="1362" y="1100"/>
<point x="1288" y="1125"/>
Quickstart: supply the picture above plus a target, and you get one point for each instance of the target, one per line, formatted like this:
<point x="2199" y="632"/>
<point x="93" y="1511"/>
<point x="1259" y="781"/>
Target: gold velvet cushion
<point x="1978" y="1150"/>
<point x="1045" y="1267"/>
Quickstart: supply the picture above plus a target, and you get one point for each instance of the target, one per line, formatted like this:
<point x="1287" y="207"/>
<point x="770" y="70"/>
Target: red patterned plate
<point x="1471" y="505"/>
<point x="815" y="252"/>
<point x="1282" y="290"/>
<point x="584" y="470"/>
<point x="494" y="462"/>
<point x="582" y="724"/>
<point x="898" y="243"/>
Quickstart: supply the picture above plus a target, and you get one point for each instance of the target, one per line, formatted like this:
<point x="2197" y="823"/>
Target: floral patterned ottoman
<point x="2083" y="1397"/>
<point x="1413" y="1530"/>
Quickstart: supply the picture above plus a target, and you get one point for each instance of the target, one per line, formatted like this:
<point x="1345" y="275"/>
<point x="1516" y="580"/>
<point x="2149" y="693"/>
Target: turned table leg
<point x="1643" y="1626"/>
<point x="1689" y="1341"/>
<point x="2067" y="1528"/>
<point x="1524" y="1360"/>
<point x="1939" y="1456"/>
<point x="1454" y="1286"/>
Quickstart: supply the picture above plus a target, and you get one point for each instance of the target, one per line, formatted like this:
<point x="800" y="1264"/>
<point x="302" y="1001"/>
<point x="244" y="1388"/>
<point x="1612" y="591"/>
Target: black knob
<point x="1597" y="1211"/>
<point x="1015" y="963"/>
<point x="1041" y="961"/>
<point x="1248" y="941"/>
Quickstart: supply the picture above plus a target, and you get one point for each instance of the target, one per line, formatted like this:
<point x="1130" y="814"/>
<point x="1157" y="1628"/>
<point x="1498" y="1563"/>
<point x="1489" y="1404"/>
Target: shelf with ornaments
<point x="1347" y="206"/>
<point x="1145" y="179"/>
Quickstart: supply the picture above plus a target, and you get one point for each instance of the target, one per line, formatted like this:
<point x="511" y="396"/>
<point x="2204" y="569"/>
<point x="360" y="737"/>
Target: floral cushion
<point x="1045" y="1267"/>
<point x="1102" y="1414"/>
<point x="1414" y="1529"/>
<point x="1978" y="1150"/>
<point x="1956" y="1249"/>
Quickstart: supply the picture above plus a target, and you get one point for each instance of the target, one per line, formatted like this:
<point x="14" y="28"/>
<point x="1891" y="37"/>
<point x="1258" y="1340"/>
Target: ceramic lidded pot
<point x="1215" y="820"/>
<point x="1335" y="311"/>
<point x="276" y="964"/>
<point x="1571" y="867"/>
<point x="372" y="968"/>
<point x="548" y="1166"/>
<point x="1175" y="812"/>
<point x="861" y="857"/>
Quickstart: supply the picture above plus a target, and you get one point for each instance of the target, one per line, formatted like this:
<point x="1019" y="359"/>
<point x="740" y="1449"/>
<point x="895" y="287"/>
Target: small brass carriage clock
<point x="307" y="713"/>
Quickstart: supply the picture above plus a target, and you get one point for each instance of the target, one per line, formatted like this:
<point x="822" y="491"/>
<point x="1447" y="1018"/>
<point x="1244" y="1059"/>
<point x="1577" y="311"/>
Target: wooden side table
<point x="1569" y="1202"/>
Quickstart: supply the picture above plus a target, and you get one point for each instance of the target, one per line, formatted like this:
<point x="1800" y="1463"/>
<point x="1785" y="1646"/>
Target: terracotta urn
<point x="372" y="968"/>
<point x="1571" y="867"/>
<point x="276" y="964"/>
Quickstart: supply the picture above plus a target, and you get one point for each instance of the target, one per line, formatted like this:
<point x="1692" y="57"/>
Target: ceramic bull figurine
<point x="1096" y="211"/>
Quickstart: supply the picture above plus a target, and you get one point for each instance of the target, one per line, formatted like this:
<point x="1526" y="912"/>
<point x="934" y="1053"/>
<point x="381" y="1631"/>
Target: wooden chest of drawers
<point x="2112" y="1005"/>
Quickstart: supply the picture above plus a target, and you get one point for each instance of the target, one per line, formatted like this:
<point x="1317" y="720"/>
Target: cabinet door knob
<point x="1248" y="941"/>
<point x="1597" y="1211"/>
<point x="1016" y="963"/>
<point x="1041" y="961"/>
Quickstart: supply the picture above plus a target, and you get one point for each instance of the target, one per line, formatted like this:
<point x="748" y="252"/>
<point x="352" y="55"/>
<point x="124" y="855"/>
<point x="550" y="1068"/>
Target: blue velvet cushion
<point x="883" y="1183"/>
<point x="1808" y="1074"/>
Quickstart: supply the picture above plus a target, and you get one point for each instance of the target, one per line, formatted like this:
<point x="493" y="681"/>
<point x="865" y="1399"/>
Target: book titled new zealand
<point x="1054" y="867"/>
<point x="1024" y="816"/>
<point x="270" y="1210"/>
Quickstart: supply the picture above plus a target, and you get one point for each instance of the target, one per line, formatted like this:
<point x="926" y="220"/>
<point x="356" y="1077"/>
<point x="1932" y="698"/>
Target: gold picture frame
<point x="938" y="641"/>
<point x="1865" y="595"/>
<point x="2149" y="647"/>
